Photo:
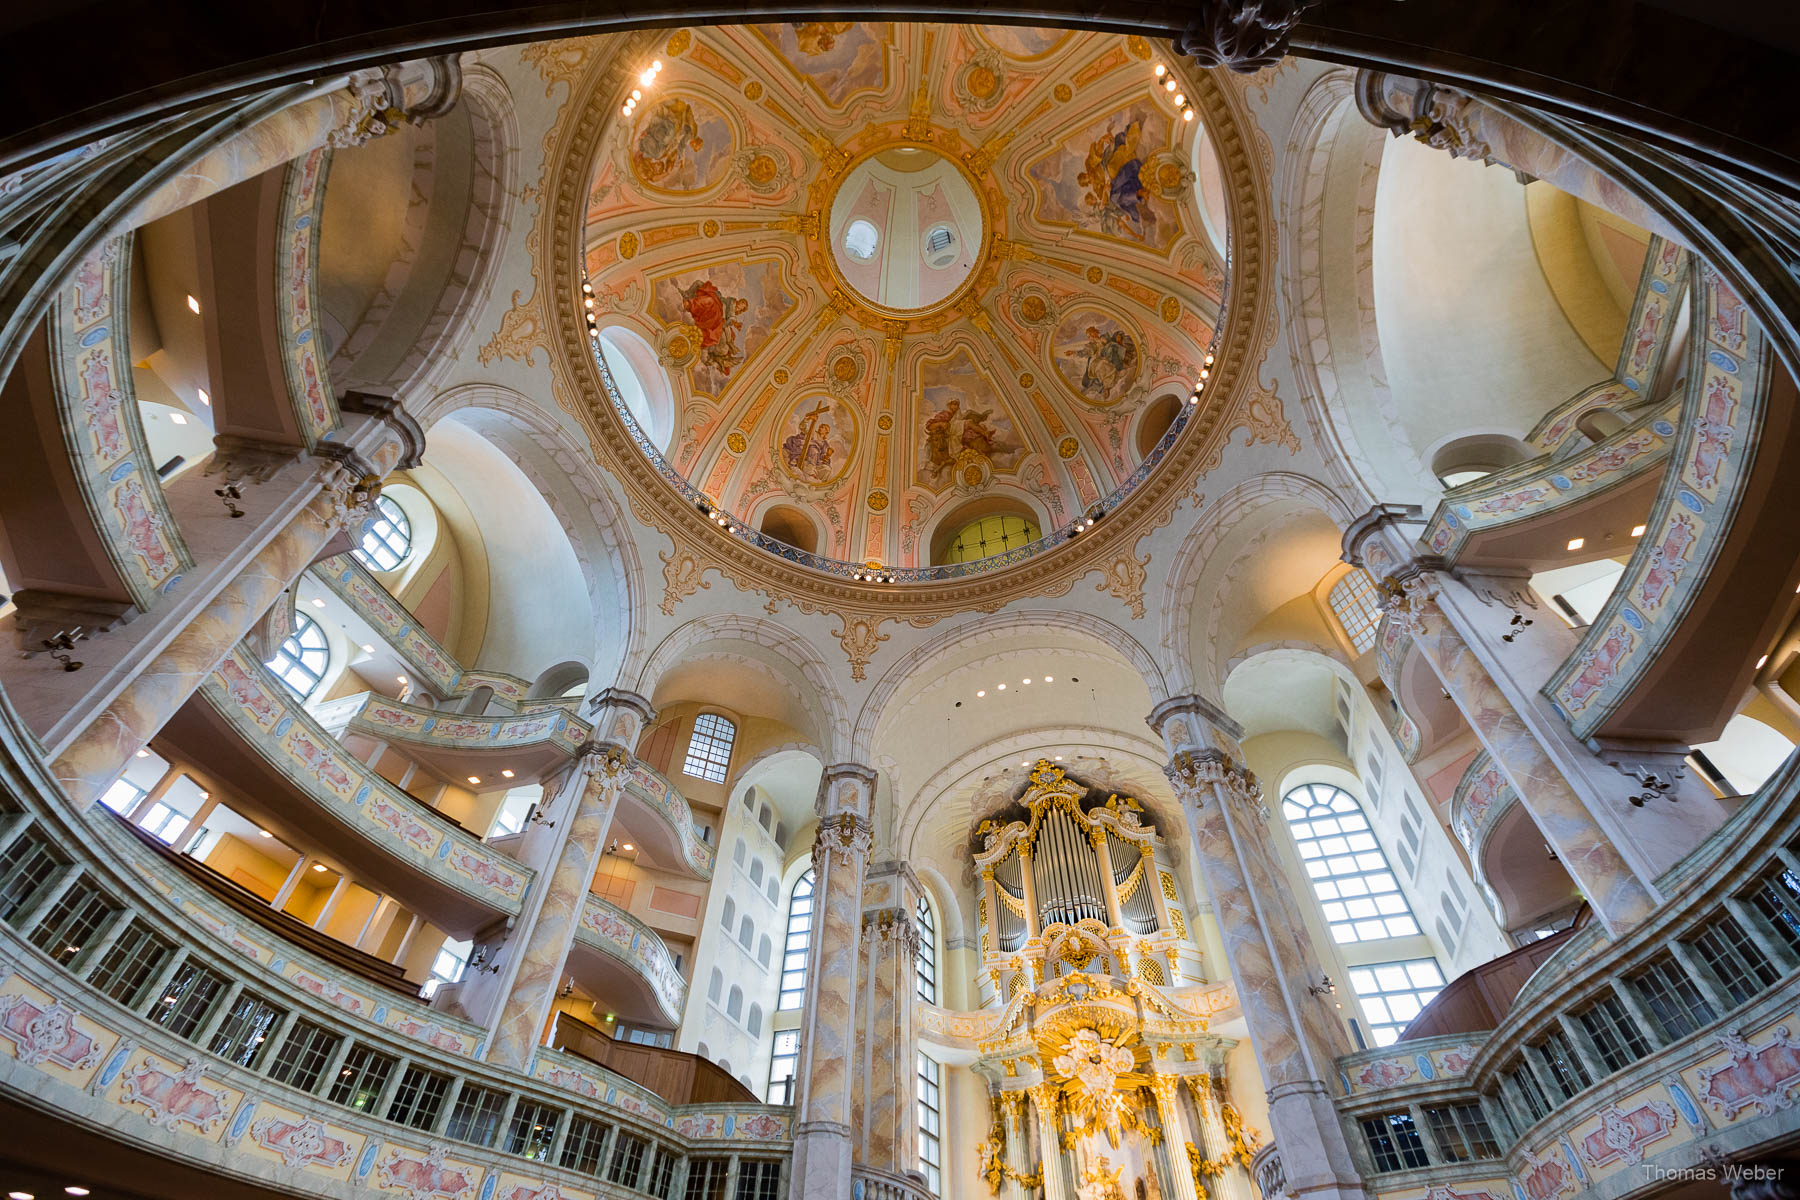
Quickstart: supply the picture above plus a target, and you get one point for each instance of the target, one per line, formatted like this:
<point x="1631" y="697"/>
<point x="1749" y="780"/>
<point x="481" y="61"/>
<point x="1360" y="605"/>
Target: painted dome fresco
<point x="865" y="285"/>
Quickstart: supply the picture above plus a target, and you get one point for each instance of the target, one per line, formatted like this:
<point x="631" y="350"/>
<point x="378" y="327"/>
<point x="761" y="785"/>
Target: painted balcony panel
<point x="297" y="300"/>
<point x="1651" y="327"/>
<point x="1722" y="417"/>
<point x="90" y="366"/>
<point x="278" y="729"/>
<point x="750" y="1123"/>
<point x="430" y="661"/>
<point x="533" y="741"/>
<point x="622" y="937"/>
<point x="1480" y="799"/>
<point x="658" y="816"/>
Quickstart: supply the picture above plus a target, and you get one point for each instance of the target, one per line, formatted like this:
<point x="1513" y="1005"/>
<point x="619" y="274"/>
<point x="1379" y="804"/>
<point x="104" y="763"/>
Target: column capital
<point x="892" y="930"/>
<point x="384" y="406"/>
<point x="1195" y="772"/>
<point x="619" y="716"/>
<point x="845" y="787"/>
<point x="1190" y="722"/>
<point x="843" y="833"/>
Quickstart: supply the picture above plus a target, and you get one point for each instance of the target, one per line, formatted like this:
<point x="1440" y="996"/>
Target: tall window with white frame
<point x="927" y="951"/>
<point x="387" y="538"/>
<point x="799" y="941"/>
<point x="709" y="749"/>
<point x="784" y="1063"/>
<point x="1361" y="901"/>
<point x="1357" y="607"/>
<point x="931" y="1123"/>
<point x="304" y="657"/>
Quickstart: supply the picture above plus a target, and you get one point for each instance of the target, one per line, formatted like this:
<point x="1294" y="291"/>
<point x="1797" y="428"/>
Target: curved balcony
<point x="675" y="1075"/>
<point x="432" y="664"/>
<point x="631" y="963"/>
<point x="1615" y="1059"/>
<point x="872" y="1183"/>
<point x="658" y="818"/>
<point x="455" y="744"/>
<point x="200" y="1083"/>
<point x="263" y="742"/>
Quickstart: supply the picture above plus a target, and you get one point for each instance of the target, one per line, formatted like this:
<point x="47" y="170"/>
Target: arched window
<point x="1357" y="608"/>
<point x="387" y="538"/>
<point x="990" y="535"/>
<point x="730" y="912"/>
<point x="774" y="893"/>
<point x="714" y="988"/>
<point x="766" y="817"/>
<point x="737" y="852"/>
<point x="1356" y="888"/>
<point x="754" y="1024"/>
<point x="709" y="749"/>
<point x="734" y="1002"/>
<point x="764" y="949"/>
<point x="799" y="939"/>
<point x="927" y="952"/>
<point x="747" y="934"/>
<point x="303" y="659"/>
<point x="756" y="872"/>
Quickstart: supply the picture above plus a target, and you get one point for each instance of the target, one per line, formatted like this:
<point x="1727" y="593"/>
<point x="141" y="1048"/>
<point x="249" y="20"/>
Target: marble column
<point x="532" y="964"/>
<point x="1051" y="1160"/>
<point x="828" y="1022"/>
<point x="1018" y="1147"/>
<point x="1296" y="1034"/>
<point x="1166" y="1089"/>
<point x="1620" y="899"/>
<point x="883" y="1114"/>
<point x="346" y="493"/>
<point x="369" y="104"/>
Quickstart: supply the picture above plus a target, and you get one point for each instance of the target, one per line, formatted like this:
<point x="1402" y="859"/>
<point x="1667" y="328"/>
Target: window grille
<point x="1672" y="999"/>
<point x="1357" y="607"/>
<point x="1462" y="1133"/>
<point x="1356" y="890"/>
<point x="360" y="1080"/>
<point x="1615" y="1033"/>
<point x="709" y="749"/>
<point x="583" y="1147"/>
<point x="387" y="538"/>
<point x="627" y="1160"/>
<point x="798" y="943"/>
<point x="1739" y="963"/>
<point x="245" y="1031"/>
<point x="28" y="864"/>
<point x="931" y="1150"/>
<point x="304" y="657"/>
<point x="74" y="919"/>
<point x="1393" y="1142"/>
<point x="1393" y="993"/>
<point x="475" y="1118"/>
<point x="419" y="1098"/>
<point x="189" y="997"/>
<point x="706" y="1178"/>
<point x="533" y="1129"/>
<point x="134" y="960"/>
<point x="304" y="1055"/>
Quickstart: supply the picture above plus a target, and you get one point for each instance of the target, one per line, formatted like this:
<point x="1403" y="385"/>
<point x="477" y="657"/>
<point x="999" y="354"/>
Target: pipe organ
<point x="1106" y="1081"/>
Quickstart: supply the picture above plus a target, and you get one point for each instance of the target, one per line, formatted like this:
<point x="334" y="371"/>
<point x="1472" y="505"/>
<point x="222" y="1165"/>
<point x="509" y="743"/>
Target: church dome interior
<point x="1089" y="606"/>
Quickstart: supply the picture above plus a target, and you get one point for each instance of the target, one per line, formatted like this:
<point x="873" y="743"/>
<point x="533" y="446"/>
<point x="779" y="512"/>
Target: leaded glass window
<point x="1356" y="888"/>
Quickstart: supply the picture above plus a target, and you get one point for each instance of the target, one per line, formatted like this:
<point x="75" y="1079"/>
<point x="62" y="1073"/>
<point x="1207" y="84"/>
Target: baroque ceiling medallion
<point x="881" y="270"/>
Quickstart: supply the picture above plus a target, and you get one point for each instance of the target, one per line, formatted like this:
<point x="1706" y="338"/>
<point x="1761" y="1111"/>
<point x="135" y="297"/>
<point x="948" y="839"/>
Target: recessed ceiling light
<point x="143" y="754"/>
<point x="506" y="774"/>
<point x="368" y="649"/>
<point x="982" y="692"/>
<point x="1059" y="758"/>
<point x="1024" y="762"/>
<point x="629" y="846"/>
<point x="76" y="1191"/>
<point x="206" y="795"/>
<point x="27" y="1195"/>
<point x="1637" y="531"/>
<point x="1577" y="543"/>
<point x="265" y="833"/>
<point x="1003" y="687"/>
<point x="474" y="779"/>
<point x="178" y="418"/>
<point x="193" y="303"/>
<point x="1759" y="662"/>
<point x="401" y="678"/>
<point x="318" y="603"/>
<point x="1027" y="679"/>
<point x="1049" y="679"/>
<point x="318" y="866"/>
<point x="204" y="398"/>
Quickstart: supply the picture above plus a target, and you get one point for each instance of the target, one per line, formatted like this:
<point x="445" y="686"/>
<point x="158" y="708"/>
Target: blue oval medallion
<point x="1685" y="1103"/>
<point x="1691" y="501"/>
<point x="1630" y="616"/>
<point x="1427" y="1068"/>
<point x="487" y="1188"/>
<point x="1722" y="360"/>
<point x="303" y="222"/>
<point x="1633" y="384"/>
<point x="116" y="1063"/>
<point x="362" y="794"/>
<point x="304" y="336"/>
<point x="1560" y="483"/>
<point x="93" y="335"/>
<point x="121" y="471"/>
<point x="242" y="1121"/>
<point x="283" y="725"/>
<point x="367" y="1163"/>
<point x="1659" y="287"/>
<point x="1662" y="428"/>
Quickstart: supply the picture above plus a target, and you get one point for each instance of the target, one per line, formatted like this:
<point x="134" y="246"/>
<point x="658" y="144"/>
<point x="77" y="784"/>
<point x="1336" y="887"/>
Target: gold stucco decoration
<point x="678" y="43"/>
<point x="1095" y="274"/>
<point x="878" y="501"/>
<point x="753" y="90"/>
<point x="681" y="578"/>
<point x="1125" y="577"/>
<point x="1171" y="309"/>
<point x="737" y="442"/>
<point x="860" y="638"/>
<point x="1064" y="93"/>
<point x="1068" y="448"/>
<point x="710" y="228"/>
<point x="884" y="422"/>
<point x="628" y="244"/>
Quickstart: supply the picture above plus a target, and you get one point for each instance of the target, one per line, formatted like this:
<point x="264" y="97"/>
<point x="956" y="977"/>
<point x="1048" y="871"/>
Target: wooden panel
<point x="681" y="904"/>
<point x="1476" y="1000"/>
<point x="675" y="1075"/>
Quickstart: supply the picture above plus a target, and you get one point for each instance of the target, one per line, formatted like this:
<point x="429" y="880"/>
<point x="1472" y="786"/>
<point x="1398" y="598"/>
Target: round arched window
<point x="304" y="658"/>
<point x="990" y="535"/>
<point x="860" y="239"/>
<point x="940" y="247"/>
<point x="387" y="538"/>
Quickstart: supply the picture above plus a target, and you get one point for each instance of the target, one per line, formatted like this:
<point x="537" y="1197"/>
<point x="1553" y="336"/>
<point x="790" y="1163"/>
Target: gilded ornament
<point x="1063" y="93"/>
<point x="845" y="368"/>
<point x="737" y="442"/>
<point x="678" y="43"/>
<point x="628" y="244"/>
<point x="884" y="422"/>
<point x="878" y="501"/>
<point x="1034" y="308"/>
<point x="781" y="375"/>
<point x="1027" y="380"/>
<point x="753" y="90"/>
<point x="1168" y="886"/>
<point x="1095" y="274"/>
<point x="1068" y="448"/>
<point x="710" y="228"/>
<point x="1171" y="309"/>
